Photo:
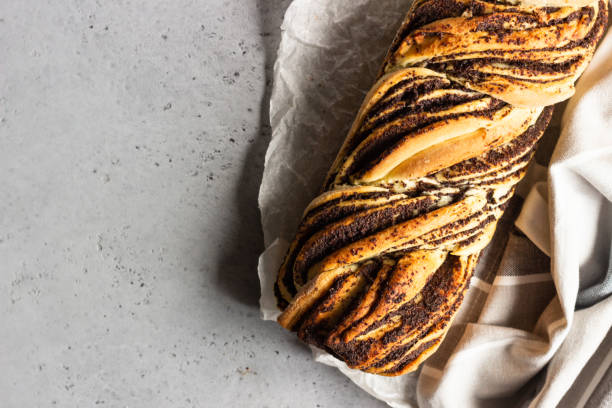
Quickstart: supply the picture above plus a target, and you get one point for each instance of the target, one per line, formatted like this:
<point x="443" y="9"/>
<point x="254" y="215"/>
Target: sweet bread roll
<point x="382" y="258"/>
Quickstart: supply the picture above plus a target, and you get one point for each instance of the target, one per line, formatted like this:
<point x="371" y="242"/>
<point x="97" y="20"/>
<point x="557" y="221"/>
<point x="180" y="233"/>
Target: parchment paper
<point x="328" y="58"/>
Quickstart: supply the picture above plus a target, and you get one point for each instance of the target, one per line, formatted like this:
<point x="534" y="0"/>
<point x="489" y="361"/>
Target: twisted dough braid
<point x="383" y="256"/>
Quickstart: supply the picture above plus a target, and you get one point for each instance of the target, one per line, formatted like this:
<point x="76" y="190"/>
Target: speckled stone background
<point x="132" y="136"/>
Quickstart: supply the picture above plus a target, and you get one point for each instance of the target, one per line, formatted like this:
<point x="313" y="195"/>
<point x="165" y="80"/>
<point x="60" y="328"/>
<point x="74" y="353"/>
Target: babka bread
<point x="383" y="256"/>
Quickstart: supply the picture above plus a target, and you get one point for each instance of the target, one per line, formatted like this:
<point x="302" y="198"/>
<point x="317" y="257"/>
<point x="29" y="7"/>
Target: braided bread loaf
<point x="383" y="256"/>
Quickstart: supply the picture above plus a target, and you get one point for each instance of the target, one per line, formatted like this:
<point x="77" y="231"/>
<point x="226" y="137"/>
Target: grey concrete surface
<point x="132" y="135"/>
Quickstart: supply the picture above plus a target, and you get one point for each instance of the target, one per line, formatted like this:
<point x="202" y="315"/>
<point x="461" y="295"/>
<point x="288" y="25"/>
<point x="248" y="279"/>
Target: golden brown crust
<point x="383" y="256"/>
